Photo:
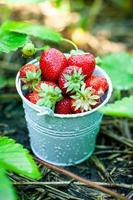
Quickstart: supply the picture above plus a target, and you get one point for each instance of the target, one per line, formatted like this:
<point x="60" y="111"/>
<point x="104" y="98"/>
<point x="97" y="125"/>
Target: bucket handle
<point x="45" y="111"/>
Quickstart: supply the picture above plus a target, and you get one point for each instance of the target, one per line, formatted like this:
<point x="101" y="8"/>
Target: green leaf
<point x="11" y="41"/>
<point x="7" y="192"/>
<point x="39" y="31"/>
<point x="6" y="82"/>
<point x="119" y="66"/>
<point x="3" y="82"/>
<point x="17" y="159"/>
<point x="121" y="108"/>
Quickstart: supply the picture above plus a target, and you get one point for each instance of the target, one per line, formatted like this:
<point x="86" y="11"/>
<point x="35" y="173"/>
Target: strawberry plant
<point x="120" y="68"/>
<point x="14" y="35"/>
<point x="121" y="108"/>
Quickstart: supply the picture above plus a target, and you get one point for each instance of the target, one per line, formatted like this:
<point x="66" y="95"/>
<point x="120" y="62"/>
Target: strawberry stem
<point x="70" y="42"/>
<point x="46" y="47"/>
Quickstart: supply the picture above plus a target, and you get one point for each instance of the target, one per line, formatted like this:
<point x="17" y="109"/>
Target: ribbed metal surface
<point x="60" y="141"/>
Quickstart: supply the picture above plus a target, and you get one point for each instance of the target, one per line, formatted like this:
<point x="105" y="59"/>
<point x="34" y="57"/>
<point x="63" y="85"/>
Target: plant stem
<point x="9" y="97"/>
<point x="42" y="48"/>
<point x="70" y="42"/>
<point x="125" y="129"/>
<point x="121" y="139"/>
<point x="85" y="181"/>
<point x="66" y="183"/>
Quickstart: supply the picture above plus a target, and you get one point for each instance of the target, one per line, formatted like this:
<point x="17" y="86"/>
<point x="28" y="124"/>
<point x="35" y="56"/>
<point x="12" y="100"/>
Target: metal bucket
<point x="63" y="140"/>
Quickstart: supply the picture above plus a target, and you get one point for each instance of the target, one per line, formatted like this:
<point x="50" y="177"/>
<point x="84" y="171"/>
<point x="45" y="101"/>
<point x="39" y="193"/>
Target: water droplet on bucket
<point x="70" y="160"/>
<point x="85" y="153"/>
<point x="77" y="129"/>
<point x="45" y="156"/>
<point x="49" y="126"/>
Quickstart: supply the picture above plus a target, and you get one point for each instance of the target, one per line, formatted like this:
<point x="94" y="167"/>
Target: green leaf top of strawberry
<point x="71" y="79"/>
<point x="74" y="81"/>
<point x="30" y="76"/>
<point x="84" y="99"/>
<point x="49" y="96"/>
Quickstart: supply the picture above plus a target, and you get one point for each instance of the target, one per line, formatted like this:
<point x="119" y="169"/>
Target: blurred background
<point x="99" y="26"/>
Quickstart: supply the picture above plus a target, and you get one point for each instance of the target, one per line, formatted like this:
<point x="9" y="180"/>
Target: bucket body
<point x="63" y="140"/>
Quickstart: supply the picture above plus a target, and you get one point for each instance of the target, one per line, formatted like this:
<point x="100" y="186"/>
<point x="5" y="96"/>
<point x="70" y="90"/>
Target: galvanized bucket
<point x="63" y="140"/>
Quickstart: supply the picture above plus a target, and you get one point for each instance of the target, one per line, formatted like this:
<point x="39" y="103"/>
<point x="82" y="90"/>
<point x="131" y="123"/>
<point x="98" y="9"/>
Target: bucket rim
<point x="39" y="109"/>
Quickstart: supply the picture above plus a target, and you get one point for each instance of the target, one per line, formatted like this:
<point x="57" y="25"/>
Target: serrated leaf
<point x="11" y="41"/>
<point x="119" y="67"/>
<point x="121" y="108"/>
<point x="39" y="31"/>
<point x="7" y="191"/>
<point x="17" y="159"/>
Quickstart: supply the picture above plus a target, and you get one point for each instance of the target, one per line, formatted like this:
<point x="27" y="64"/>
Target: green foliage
<point x="119" y="66"/>
<point x="35" y="30"/>
<point x="3" y="82"/>
<point x="17" y="159"/>
<point x="6" y="82"/>
<point x="15" y="34"/>
<point x="7" y="192"/>
<point x="11" y="41"/>
<point x="121" y="108"/>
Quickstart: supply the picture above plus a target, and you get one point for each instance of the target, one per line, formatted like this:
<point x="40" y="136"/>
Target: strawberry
<point x="84" y="60"/>
<point x="49" y="94"/>
<point x="98" y="83"/>
<point x="30" y="76"/>
<point x="38" y="87"/>
<point x="84" y="100"/>
<point x="52" y="62"/>
<point x="32" y="97"/>
<point x="71" y="79"/>
<point x="64" y="106"/>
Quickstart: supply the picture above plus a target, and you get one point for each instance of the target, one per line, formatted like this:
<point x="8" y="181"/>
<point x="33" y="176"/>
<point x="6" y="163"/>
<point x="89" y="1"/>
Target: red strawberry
<point x="85" y="61"/>
<point x="52" y="62"/>
<point x="32" y="97"/>
<point x="71" y="79"/>
<point x="84" y="100"/>
<point x="38" y="87"/>
<point x="98" y="83"/>
<point x="64" y="106"/>
<point x="30" y="76"/>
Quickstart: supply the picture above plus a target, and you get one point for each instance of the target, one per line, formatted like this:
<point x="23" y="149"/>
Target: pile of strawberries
<point x="65" y="84"/>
